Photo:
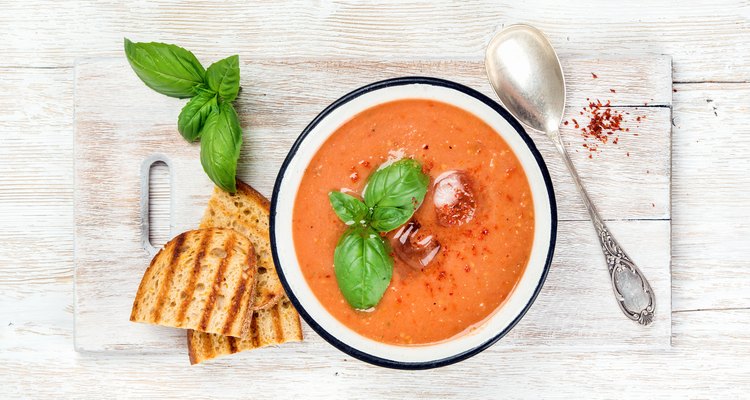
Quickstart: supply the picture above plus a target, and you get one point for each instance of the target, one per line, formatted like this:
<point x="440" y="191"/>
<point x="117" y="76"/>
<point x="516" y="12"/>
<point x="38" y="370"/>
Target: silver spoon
<point x="525" y="72"/>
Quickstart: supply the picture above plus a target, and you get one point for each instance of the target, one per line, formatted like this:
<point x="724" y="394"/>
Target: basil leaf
<point x="193" y="116"/>
<point x="363" y="267"/>
<point x="224" y="77"/>
<point x="349" y="209"/>
<point x="221" y="139"/>
<point x="397" y="185"/>
<point x="166" y="68"/>
<point x="386" y="219"/>
<point x="395" y="192"/>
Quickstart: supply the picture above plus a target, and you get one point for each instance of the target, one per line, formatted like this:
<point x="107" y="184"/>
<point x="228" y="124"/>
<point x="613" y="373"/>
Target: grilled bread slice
<point x="247" y="212"/>
<point x="203" y="280"/>
<point x="272" y="326"/>
<point x="277" y="321"/>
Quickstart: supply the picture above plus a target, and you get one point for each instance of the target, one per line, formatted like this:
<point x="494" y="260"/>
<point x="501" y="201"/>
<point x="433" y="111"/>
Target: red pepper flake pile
<point x="604" y="124"/>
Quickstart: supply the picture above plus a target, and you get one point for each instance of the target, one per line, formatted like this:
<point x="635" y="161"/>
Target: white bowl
<point x="287" y="185"/>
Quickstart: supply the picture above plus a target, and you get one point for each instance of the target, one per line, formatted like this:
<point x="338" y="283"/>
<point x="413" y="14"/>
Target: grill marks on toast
<point x="247" y="212"/>
<point x="166" y="281"/>
<point x="237" y="298"/>
<point x="270" y="327"/>
<point x="273" y="321"/>
<point x="276" y="319"/>
<point x="189" y="291"/>
<point x="202" y="279"/>
<point x="254" y="339"/>
<point x="209" y="308"/>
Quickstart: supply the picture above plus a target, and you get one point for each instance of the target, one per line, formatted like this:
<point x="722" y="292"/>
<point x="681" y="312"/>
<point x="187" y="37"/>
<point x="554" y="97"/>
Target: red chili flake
<point x="638" y="119"/>
<point x="459" y="211"/>
<point x="612" y="90"/>
<point x="628" y="154"/>
<point x="485" y="231"/>
<point x="565" y="123"/>
<point x="575" y="122"/>
<point x="594" y="75"/>
<point x="604" y="122"/>
<point x="426" y="146"/>
<point x="354" y="177"/>
<point x="441" y="275"/>
<point x="467" y="268"/>
<point x="364" y="163"/>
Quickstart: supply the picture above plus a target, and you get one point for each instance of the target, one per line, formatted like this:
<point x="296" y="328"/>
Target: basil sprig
<point x="362" y="261"/>
<point x="209" y="115"/>
<point x="195" y="113"/>
<point x="224" y="77"/>
<point x="220" y="148"/>
<point x="394" y="192"/>
<point x="166" y="68"/>
<point x="363" y="266"/>
<point x="349" y="209"/>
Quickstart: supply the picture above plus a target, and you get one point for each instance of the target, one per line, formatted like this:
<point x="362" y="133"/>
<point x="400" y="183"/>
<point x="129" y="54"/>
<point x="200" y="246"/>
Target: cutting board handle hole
<point x="156" y="202"/>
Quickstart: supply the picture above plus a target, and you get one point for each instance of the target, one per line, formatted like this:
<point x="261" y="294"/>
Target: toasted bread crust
<point x="242" y="212"/>
<point x="277" y="325"/>
<point x="220" y="261"/>
<point x="174" y="255"/>
<point x="191" y="349"/>
<point x="250" y="192"/>
<point x="274" y="320"/>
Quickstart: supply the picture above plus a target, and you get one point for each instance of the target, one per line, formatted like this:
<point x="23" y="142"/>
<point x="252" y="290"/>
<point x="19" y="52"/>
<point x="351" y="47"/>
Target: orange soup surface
<point x="479" y="262"/>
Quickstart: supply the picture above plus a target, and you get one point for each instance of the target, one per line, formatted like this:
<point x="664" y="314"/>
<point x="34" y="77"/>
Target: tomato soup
<point x="479" y="262"/>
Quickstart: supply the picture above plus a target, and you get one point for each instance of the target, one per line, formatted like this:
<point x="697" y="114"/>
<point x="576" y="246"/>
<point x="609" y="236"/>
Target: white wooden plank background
<point x="275" y="107"/>
<point x="711" y="204"/>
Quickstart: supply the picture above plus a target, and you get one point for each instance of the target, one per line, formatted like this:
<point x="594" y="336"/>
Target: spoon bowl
<point x="524" y="70"/>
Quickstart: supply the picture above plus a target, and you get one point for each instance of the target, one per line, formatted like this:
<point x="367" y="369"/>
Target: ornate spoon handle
<point x="632" y="291"/>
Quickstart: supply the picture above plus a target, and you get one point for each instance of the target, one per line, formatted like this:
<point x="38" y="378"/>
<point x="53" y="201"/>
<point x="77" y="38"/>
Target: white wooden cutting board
<point x="120" y="123"/>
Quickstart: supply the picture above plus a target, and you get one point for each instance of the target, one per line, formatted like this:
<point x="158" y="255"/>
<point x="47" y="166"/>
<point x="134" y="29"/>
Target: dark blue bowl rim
<point x="410" y="80"/>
